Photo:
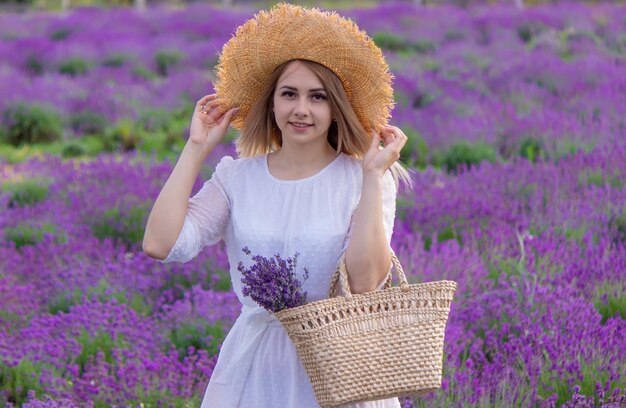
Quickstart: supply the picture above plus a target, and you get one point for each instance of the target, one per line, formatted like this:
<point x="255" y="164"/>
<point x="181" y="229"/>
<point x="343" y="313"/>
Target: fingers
<point x="393" y="139"/>
<point x="205" y="100"/>
<point x="375" y="141"/>
<point x="225" y="119"/>
<point x="210" y="110"/>
<point x="209" y="107"/>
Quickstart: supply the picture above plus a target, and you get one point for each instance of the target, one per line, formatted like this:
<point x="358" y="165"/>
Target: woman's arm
<point x="368" y="257"/>
<point x="168" y="213"/>
<point x="165" y="222"/>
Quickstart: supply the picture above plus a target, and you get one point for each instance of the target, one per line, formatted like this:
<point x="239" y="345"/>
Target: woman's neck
<point x="295" y="162"/>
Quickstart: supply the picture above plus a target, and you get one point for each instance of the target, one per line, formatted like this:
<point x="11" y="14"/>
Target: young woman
<point x="317" y="175"/>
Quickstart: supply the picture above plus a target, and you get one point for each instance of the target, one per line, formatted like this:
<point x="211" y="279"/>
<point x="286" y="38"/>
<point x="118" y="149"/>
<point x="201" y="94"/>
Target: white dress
<point x="246" y="206"/>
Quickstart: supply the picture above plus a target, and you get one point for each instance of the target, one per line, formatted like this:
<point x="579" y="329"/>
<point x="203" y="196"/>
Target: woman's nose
<point x="302" y="107"/>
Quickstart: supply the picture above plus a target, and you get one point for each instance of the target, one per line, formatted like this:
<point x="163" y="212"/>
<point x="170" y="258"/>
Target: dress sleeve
<point x="389" y="209"/>
<point x="208" y="214"/>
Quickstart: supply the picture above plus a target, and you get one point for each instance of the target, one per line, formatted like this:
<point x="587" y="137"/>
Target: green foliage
<point x="16" y="381"/>
<point x="549" y="84"/>
<point x="92" y="144"/>
<point x="447" y="233"/>
<point x="431" y="64"/>
<point x="403" y="205"/>
<point x="12" y="155"/>
<point x="60" y="34"/>
<point x="92" y="345"/>
<point x="162" y="132"/>
<point x="200" y="335"/>
<point x="591" y="374"/>
<point x="231" y="135"/>
<point x="14" y="320"/>
<point x="23" y="124"/>
<point x="454" y="35"/>
<point x="114" y="60"/>
<point x="145" y="73"/>
<point x="155" y="142"/>
<point x="125" y="134"/>
<point x="88" y="122"/>
<point x="155" y="119"/>
<point x="155" y="396"/>
<point x="221" y="281"/>
<point x="575" y="233"/>
<point x="528" y="31"/>
<point x="589" y="116"/>
<point x="181" y="282"/>
<point x="165" y="60"/>
<point x="524" y="33"/>
<point x="34" y="65"/>
<point x="599" y="179"/>
<point x="24" y="2"/>
<point x="126" y="227"/>
<point x="422" y="99"/>
<point x="415" y="152"/>
<point x="24" y="234"/>
<point x="401" y="45"/>
<point x="532" y="149"/>
<point x="479" y="61"/>
<point x="550" y="383"/>
<point x="101" y="292"/>
<point x="565" y="148"/>
<point x="73" y="149"/>
<point x="157" y="129"/>
<point x="26" y="192"/>
<point x="74" y="67"/>
<point x="617" y="226"/>
<point x="610" y="300"/>
<point x="17" y="154"/>
<point x="504" y="268"/>
<point x="462" y="153"/>
<point x="64" y="302"/>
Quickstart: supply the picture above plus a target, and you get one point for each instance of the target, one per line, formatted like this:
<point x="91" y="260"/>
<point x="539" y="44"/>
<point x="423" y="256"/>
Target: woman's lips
<point x="300" y="125"/>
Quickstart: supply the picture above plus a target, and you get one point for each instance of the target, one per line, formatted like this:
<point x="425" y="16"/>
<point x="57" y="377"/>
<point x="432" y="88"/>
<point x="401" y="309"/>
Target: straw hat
<point x="289" y="32"/>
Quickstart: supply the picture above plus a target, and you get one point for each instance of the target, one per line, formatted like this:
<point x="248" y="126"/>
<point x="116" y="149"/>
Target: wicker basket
<point x="375" y="345"/>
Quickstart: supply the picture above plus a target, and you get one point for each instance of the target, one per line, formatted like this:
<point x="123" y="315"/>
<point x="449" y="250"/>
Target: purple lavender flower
<point x="272" y="282"/>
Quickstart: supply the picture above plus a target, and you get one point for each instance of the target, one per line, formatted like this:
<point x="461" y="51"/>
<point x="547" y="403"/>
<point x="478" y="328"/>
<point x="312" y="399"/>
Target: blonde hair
<point x="260" y="133"/>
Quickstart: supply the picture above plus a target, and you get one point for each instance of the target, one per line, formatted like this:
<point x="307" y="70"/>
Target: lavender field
<point x="517" y="140"/>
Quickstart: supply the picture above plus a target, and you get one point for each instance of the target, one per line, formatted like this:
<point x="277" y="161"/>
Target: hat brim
<point x="288" y="32"/>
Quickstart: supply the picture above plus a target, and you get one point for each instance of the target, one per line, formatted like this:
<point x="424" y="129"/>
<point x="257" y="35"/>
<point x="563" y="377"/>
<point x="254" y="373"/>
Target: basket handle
<point x="341" y="276"/>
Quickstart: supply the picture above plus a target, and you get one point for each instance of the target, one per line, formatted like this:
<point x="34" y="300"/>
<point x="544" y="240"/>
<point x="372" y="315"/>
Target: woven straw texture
<point x="375" y="345"/>
<point x="289" y="32"/>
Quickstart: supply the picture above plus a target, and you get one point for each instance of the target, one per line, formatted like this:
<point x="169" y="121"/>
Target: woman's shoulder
<point x="228" y="170"/>
<point x="229" y="164"/>
<point x="350" y="163"/>
<point x="350" y="160"/>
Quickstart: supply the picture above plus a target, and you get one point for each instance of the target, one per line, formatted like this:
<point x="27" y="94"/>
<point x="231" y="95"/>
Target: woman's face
<point x="301" y="107"/>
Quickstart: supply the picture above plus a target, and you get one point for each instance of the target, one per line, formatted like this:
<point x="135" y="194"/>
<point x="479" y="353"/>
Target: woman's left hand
<point x="379" y="158"/>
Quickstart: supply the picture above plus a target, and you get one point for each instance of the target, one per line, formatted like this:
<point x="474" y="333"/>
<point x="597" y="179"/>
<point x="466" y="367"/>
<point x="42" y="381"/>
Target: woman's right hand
<point x="209" y="122"/>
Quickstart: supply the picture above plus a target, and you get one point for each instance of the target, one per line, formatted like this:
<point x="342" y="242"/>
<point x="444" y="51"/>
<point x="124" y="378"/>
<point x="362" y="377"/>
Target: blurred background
<point x="140" y="4"/>
<point x="516" y="118"/>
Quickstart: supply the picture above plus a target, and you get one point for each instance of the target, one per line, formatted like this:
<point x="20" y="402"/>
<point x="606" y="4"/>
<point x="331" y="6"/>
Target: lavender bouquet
<point x="272" y="282"/>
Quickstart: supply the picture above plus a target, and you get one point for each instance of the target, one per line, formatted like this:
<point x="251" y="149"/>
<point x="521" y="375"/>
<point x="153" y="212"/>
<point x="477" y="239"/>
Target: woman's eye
<point x="319" y="97"/>
<point x="288" y="94"/>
